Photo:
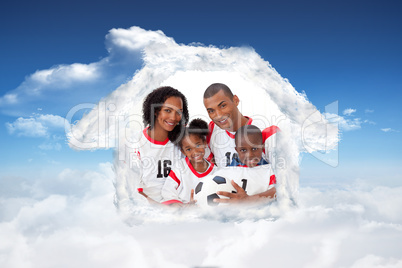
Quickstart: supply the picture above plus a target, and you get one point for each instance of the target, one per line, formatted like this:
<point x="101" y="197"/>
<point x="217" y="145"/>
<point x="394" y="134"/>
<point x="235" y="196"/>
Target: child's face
<point x="194" y="148"/>
<point x="249" y="149"/>
<point x="170" y="114"/>
<point x="222" y="110"/>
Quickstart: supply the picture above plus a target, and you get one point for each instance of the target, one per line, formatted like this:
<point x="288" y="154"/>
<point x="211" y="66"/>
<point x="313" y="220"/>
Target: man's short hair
<point x="215" y="88"/>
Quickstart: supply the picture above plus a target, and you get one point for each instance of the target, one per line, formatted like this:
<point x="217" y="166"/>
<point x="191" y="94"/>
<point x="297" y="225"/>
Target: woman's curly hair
<point x="153" y="104"/>
<point x="196" y="127"/>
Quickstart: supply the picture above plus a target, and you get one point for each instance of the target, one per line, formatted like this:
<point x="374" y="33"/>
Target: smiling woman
<point x="165" y="114"/>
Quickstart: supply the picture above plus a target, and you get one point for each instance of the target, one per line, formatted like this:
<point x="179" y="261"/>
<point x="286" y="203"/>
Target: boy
<point x="249" y="148"/>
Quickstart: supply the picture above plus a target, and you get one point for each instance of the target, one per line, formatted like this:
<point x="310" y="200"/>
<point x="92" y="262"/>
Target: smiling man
<point x="222" y="108"/>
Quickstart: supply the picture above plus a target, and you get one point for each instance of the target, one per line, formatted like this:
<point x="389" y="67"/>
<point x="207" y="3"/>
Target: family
<point x="172" y="155"/>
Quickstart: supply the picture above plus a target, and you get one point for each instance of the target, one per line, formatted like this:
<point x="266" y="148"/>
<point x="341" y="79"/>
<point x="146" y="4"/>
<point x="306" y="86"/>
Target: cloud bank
<point x="70" y="220"/>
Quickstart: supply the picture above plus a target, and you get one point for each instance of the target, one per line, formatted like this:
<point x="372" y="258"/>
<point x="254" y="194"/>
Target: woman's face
<point x="170" y="114"/>
<point x="193" y="147"/>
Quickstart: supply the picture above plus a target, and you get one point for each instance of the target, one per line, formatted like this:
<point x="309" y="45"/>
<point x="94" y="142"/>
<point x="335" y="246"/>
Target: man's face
<point x="222" y="110"/>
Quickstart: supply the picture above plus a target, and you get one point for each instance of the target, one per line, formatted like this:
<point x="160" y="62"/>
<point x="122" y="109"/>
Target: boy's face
<point x="222" y="110"/>
<point x="249" y="149"/>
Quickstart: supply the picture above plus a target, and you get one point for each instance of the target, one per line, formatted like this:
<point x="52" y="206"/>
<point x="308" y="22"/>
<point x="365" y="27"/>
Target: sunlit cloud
<point x="38" y="125"/>
<point x="28" y="127"/>
<point x="369" y="122"/>
<point x="349" y="111"/>
<point x="63" y="84"/>
<point x="58" y="78"/>
<point x="134" y="39"/>
<point x="388" y="129"/>
<point x="345" y="124"/>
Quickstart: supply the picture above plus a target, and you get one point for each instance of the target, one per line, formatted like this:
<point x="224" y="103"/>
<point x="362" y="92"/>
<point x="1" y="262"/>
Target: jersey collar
<point x="152" y="140"/>
<point x="199" y="175"/>
<point x="230" y="134"/>
<point x="236" y="162"/>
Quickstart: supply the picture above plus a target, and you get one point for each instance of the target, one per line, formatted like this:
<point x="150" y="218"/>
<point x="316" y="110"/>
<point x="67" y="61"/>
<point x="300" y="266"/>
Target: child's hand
<point x="239" y="197"/>
<point x="192" y="200"/>
<point x="150" y="200"/>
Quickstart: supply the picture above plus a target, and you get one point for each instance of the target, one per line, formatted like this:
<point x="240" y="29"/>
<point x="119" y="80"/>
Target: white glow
<point x="264" y="95"/>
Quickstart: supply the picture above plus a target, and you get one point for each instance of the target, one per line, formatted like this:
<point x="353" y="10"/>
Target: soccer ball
<point x="205" y="191"/>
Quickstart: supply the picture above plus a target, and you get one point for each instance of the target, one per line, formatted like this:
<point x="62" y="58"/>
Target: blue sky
<point x="334" y="51"/>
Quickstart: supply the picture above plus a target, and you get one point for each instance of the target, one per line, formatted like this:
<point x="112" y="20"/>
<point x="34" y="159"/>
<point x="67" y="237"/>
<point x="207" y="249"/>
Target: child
<point x="178" y="187"/>
<point x="249" y="147"/>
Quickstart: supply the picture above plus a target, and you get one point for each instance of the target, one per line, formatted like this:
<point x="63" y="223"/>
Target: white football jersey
<point x="253" y="180"/>
<point x="222" y="143"/>
<point x="177" y="187"/>
<point x="151" y="162"/>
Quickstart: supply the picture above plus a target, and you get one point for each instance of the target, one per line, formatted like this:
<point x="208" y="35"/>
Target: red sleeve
<point x="272" y="180"/>
<point x="171" y="202"/>
<point x="174" y="177"/>
<point x="210" y="130"/>
<point x="211" y="155"/>
<point x="268" y="132"/>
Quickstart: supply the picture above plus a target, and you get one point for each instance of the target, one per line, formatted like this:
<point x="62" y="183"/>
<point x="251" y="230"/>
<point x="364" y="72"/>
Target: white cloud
<point x="135" y="38"/>
<point x="389" y="130"/>
<point x="70" y="220"/>
<point x="348" y="125"/>
<point x="344" y="123"/>
<point x="67" y="85"/>
<point x="373" y="261"/>
<point x="57" y="78"/>
<point x="349" y="111"/>
<point x="67" y="74"/>
<point x="369" y="122"/>
<point x="51" y="120"/>
<point x="28" y="127"/>
<point x="368" y="111"/>
<point x="50" y="146"/>
<point x="9" y="98"/>
<point x="39" y="125"/>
